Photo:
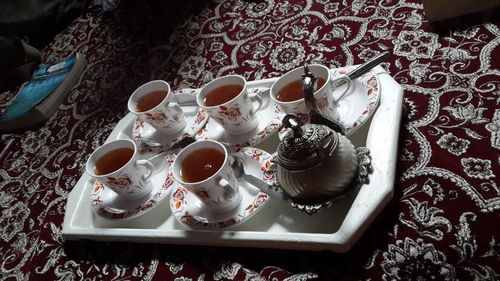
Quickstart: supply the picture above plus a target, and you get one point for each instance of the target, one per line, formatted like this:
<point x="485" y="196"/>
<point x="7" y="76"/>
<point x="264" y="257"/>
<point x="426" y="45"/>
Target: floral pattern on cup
<point x="237" y="115"/>
<point x="323" y="96"/>
<point x="158" y="118"/>
<point x="181" y="204"/>
<point x="136" y="208"/>
<point x="218" y="192"/>
<point x="127" y="180"/>
<point x="167" y="117"/>
<point x="144" y="135"/>
<point x="232" y="116"/>
<point x="270" y="122"/>
<point x="121" y="182"/>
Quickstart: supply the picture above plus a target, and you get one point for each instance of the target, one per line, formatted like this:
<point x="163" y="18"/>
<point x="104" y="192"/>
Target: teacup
<point x="286" y="91"/>
<point x="228" y="102"/>
<point x="153" y="103"/>
<point x="204" y="169"/>
<point x="116" y="165"/>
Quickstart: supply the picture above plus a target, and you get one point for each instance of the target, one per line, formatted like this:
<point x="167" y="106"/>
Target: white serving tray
<point x="277" y="225"/>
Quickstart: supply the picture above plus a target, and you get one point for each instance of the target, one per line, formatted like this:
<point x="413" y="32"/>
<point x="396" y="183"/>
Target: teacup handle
<point x="255" y="98"/>
<point x="149" y="166"/>
<point x="177" y="109"/>
<point x="223" y="182"/>
<point x="337" y="81"/>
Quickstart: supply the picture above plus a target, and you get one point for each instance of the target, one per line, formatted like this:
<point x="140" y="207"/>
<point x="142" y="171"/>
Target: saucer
<point x="357" y="105"/>
<point x="188" y="210"/>
<point x="150" y="140"/>
<point x="106" y="204"/>
<point x="269" y="117"/>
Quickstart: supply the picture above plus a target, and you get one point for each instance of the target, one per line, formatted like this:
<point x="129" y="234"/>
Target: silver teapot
<point x="314" y="162"/>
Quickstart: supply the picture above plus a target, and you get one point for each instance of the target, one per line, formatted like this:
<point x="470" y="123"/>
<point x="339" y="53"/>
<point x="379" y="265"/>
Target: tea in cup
<point x="153" y="103"/>
<point x="115" y="164"/>
<point x="288" y="94"/>
<point x="228" y="102"/>
<point x="204" y="169"/>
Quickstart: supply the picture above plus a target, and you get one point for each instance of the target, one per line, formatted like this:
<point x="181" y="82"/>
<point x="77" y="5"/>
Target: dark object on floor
<point x="438" y="10"/>
<point x="40" y="97"/>
<point x="17" y="62"/>
<point x="37" y="20"/>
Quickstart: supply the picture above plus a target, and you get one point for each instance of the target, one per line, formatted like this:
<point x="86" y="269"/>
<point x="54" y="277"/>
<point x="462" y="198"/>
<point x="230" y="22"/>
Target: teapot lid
<point x="306" y="145"/>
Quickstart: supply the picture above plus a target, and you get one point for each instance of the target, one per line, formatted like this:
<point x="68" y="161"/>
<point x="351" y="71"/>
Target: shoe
<point x="39" y="98"/>
<point x="22" y="61"/>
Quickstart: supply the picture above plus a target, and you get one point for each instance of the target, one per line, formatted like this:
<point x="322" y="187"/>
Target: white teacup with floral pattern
<point x="237" y="115"/>
<point x="122" y="172"/>
<point x="220" y="191"/>
<point x="167" y="116"/>
<point x="324" y="95"/>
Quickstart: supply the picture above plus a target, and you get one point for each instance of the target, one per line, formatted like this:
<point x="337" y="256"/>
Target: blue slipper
<point x="43" y="93"/>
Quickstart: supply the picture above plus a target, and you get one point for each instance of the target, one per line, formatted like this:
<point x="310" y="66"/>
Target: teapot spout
<point x="309" y="86"/>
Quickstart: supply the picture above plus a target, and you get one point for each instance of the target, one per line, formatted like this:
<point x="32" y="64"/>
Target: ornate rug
<point x="443" y="222"/>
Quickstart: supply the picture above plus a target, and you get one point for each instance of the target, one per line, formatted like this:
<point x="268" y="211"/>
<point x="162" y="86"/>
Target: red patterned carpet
<point x="443" y="222"/>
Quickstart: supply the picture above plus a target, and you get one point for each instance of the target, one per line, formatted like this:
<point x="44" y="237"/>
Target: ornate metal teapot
<point x="315" y="162"/>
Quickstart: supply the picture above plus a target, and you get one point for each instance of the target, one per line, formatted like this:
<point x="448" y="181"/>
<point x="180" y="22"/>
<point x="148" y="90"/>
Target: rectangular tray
<point x="277" y="225"/>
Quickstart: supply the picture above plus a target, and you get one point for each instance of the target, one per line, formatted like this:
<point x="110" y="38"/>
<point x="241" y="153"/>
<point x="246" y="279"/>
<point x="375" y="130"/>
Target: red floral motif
<point x="200" y="117"/>
<point x="261" y="199"/>
<point x="157" y="117"/>
<point x="178" y="198"/>
<point x="271" y="128"/>
<point x="202" y="194"/>
<point x="170" y="160"/>
<point x="267" y="175"/>
<point x="201" y="132"/>
<point x="322" y="102"/>
<point x="372" y="82"/>
<point x="168" y="182"/>
<point x="227" y="223"/>
<point x="250" y="208"/>
<point x="97" y="187"/>
<point x="265" y="165"/>
<point x="256" y="153"/>
<point x="232" y="113"/>
<point x="186" y="218"/>
<point x="148" y="204"/>
<point x="121" y="182"/>
<point x="139" y="124"/>
<point x="179" y="194"/>
<point x="96" y="202"/>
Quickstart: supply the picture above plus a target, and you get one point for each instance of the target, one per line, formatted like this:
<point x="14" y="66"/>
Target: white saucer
<point x="150" y="140"/>
<point x="269" y="117"/>
<point x="360" y="102"/>
<point x="188" y="210"/>
<point x="105" y="203"/>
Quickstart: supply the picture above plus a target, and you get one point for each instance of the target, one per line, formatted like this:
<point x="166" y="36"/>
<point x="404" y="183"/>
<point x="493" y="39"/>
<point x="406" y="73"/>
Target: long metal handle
<point x="367" y="66"/>
<point x="264" y="187"/>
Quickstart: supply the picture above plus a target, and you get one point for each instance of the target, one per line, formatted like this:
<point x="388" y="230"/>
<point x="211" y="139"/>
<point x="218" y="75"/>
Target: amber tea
<point x="150" y="100"/>
<point x="113" y="160"/>
<point x="222" y="94"/>
<point x="201" y="164"/>
<point x="293" y="91"/>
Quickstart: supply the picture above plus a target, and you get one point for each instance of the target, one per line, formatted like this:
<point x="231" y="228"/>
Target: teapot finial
<point x="293" y="122"/>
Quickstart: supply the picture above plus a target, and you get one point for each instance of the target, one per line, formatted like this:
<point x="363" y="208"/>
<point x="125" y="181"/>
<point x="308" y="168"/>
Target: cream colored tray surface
<point x="277" y="225"/>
